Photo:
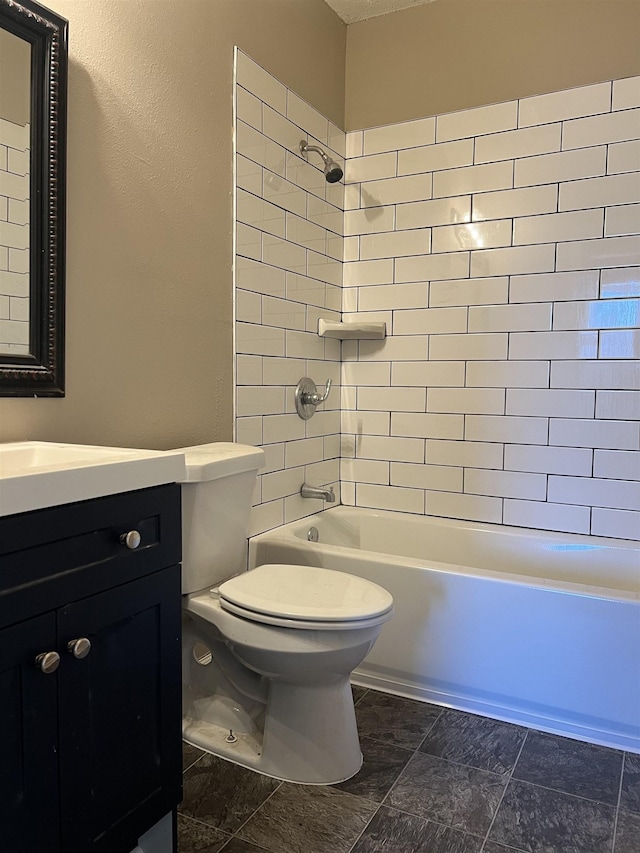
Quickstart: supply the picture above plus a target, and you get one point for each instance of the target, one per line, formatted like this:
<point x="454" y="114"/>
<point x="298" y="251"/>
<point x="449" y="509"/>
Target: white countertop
<point x="40" y="474"/>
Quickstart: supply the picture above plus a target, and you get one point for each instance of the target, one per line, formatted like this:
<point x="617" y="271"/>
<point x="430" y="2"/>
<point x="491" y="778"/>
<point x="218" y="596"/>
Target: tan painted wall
<point x="15" y="75"/>
<point x="149" y="311"/>
<point x="454" y="54"/>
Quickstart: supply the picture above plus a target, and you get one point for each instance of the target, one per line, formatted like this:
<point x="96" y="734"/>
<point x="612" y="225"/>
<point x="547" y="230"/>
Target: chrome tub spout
<point x="308" y="491"/>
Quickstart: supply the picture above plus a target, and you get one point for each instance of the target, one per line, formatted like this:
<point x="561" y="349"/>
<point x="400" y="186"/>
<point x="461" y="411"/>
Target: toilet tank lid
<point x="220" y="459"/>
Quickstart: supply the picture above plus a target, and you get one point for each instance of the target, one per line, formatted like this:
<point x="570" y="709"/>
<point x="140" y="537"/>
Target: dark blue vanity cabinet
<point x="90" y="673"/>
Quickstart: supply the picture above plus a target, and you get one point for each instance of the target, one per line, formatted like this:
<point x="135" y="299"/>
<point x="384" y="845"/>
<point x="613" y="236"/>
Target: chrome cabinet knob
<point x="132" y="539"/>
<point x="48" y="662"/>
<point x="79" y="648"/>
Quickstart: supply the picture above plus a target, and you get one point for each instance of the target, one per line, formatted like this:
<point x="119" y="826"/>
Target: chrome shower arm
<point x="304" y="149"/>
<point x="332" y="171"/>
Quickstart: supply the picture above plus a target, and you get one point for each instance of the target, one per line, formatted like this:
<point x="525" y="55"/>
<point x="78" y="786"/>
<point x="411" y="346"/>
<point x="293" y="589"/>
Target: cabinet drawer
<point x="59" y="555"/>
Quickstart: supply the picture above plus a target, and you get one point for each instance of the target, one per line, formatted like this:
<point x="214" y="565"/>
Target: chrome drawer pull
<point x="132" y="539"/>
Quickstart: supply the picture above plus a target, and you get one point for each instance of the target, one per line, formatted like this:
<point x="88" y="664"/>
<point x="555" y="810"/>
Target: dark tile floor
<point x="433" y="781"/>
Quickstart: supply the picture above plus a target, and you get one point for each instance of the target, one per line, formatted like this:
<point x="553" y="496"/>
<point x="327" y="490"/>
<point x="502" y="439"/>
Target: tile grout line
<point x="567" y="793"/>
<point x="383" y="800"/>
<point x="255" y="811"/>
<point x="194" y="762"/>
<point x="226" y="844"/>
<point x="617" y="811"/>
<point x="409" y="760"/>
<point x="504" y="791"/>
<point x="365" y="827"/>
<point x="413" y="755"/>
<point x="207" y="825"/>
<point x="526" y="729"/>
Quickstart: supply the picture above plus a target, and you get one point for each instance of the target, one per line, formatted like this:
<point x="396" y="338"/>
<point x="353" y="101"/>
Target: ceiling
<point x="357" y="10"/>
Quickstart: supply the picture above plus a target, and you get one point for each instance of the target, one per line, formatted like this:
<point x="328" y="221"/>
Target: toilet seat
<point x="311" y="625"/>
<point x="305" y="597"/>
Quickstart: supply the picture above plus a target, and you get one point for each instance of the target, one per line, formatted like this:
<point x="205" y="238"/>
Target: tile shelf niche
<point x="352" y="330"/>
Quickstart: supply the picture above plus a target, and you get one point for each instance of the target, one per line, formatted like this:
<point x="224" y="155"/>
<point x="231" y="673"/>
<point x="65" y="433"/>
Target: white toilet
<point x="267" y="654"/>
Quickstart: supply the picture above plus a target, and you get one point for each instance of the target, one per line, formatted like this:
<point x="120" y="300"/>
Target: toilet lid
<point x="304" y="593"/>
<point x="309" y="624"/>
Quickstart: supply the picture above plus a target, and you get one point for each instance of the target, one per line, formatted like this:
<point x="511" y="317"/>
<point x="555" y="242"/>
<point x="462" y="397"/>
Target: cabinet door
<point x="28" y="723"/>
<point x="120" y="714"/>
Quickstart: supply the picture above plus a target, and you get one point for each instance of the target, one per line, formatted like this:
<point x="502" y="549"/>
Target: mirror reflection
<point x="33" y="112"/>
<point x="15" y="169"/>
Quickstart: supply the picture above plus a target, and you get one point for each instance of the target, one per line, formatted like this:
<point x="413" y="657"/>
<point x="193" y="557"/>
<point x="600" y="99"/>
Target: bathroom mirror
<point x="33" y="90"/>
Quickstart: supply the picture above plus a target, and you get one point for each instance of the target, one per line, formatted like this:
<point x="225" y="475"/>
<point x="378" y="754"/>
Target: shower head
<point x="332" y="171"/>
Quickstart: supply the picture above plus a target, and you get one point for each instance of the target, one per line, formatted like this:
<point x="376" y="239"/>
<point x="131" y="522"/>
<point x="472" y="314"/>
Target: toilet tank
<point x="216" y="502"/>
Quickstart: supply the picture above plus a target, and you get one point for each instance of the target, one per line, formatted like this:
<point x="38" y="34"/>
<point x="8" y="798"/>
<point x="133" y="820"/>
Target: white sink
<point x="39" y="474"/>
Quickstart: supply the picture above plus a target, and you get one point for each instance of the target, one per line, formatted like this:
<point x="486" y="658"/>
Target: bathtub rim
<point x="287" y="533"/>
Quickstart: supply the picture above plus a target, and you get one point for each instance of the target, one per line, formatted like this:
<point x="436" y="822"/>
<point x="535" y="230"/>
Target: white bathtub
<point x="541" y="629"/>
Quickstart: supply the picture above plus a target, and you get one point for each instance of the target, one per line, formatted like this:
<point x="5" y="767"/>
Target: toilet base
<point x="310" y="735"/>
<point x="246" y="750"/>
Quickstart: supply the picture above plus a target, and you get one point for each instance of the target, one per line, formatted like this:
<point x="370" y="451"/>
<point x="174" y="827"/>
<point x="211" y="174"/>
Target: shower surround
<point x="288" y="274"/>
<point x="500" y="245"/>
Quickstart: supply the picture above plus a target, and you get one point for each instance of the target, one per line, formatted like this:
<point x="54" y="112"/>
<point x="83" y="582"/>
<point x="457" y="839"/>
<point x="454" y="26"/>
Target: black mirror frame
<point x="41" y="373"/>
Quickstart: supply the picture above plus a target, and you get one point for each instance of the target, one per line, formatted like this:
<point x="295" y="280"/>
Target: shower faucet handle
<point x="316" y="398"/>
<point x="307" y="397"/>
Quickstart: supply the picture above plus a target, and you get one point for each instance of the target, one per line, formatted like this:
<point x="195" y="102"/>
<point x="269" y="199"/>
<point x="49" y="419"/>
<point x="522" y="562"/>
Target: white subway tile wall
<point x="512" y="298"/>
<point x="15" y="149"/>
<point x="288" y="274"/>
<point x="500" y="245"/>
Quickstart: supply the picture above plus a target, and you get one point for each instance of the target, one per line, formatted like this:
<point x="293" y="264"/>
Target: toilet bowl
<point x="267" y="653"/>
